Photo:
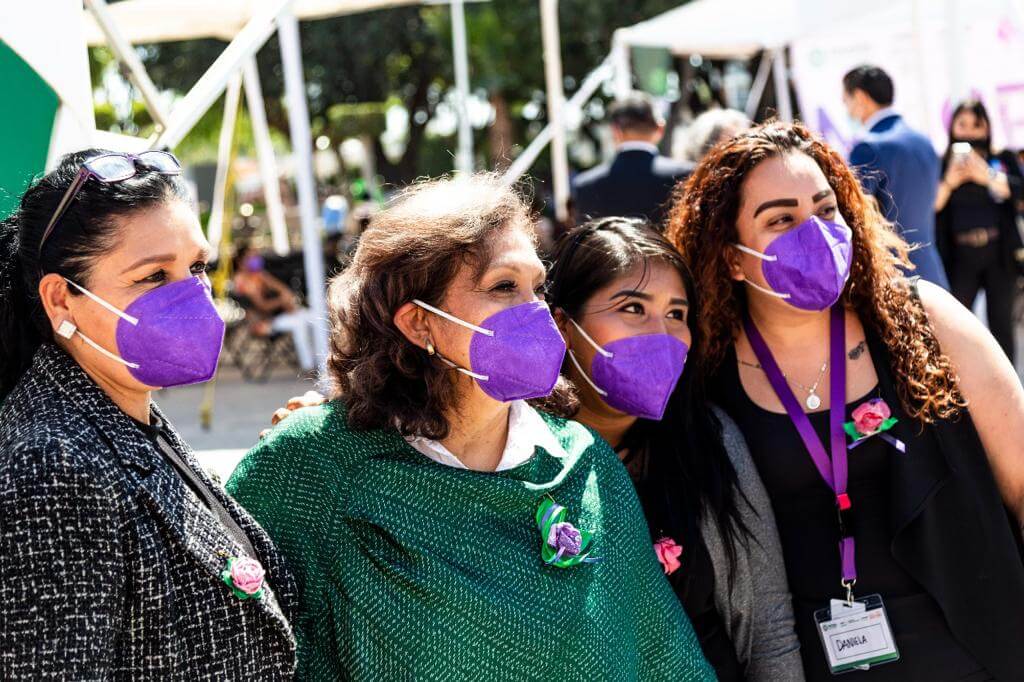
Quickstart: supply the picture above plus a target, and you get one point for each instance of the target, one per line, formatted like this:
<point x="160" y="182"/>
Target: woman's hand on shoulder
<point x="990" y="384"/>
<point x="307" y="399"/>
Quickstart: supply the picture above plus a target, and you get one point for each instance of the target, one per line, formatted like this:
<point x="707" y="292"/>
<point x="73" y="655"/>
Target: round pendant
<point x="813" y="402"/>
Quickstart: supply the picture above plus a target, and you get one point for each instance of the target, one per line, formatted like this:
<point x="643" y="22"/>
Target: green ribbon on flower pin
<point x="245" y="577"/>
<point x="852" y="432"/>
<point x="873" y="418"/>
<point x="562" y="544"/>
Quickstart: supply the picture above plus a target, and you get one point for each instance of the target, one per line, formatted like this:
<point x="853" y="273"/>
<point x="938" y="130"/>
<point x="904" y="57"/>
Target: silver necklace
<point x="812" y="401"/>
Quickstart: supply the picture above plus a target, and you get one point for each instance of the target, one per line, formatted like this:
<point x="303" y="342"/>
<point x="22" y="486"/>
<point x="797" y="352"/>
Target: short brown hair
<point x="412" y="250"/>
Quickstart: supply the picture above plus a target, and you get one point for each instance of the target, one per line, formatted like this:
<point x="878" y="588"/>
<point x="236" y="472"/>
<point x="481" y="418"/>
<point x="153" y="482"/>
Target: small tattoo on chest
<point x="857" y="351"/>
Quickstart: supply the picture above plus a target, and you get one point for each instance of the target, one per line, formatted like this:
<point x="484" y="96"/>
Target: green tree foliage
<point x="404" y="54"/>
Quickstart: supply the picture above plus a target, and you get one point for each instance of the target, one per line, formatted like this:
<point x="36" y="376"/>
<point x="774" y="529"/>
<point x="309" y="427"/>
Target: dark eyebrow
<point x="632" y="293"/>
<point x="821" y="195"/>
<point x="203" y="253"/>
<point x="775" y="202"/>
<point x="161" y="258"/>
<point x="679" y="301"/>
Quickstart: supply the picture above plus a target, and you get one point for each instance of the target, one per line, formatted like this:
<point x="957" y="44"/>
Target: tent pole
<point x="215" y="224"/>
<point x="556" y="102"/>
<point x="622" y="81"/>
<point x="126" y="54"/>
<point x="764" y="69"/>
<point x="587" y="88"/>
<point x="464" y="155"/>
<point x="265" y="156"/>
<point x="302" y="148"/>
<point x="208" y="88"/>
<point x="782" y="85"/>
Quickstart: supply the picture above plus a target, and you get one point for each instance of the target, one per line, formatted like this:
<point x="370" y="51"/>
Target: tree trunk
<point x="499" y="135"/>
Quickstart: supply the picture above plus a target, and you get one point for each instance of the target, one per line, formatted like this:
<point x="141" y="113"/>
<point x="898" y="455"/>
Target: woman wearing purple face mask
<point x="883" y="418"/>
<point x="119" y="557"/>
<point x="441" y="528"/>
<point x="622" y="296"/>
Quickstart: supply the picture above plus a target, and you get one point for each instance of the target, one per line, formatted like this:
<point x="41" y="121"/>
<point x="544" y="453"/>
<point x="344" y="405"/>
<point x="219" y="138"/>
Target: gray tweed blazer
<point x="755" y="603"/>
<point x="109" y="565"/>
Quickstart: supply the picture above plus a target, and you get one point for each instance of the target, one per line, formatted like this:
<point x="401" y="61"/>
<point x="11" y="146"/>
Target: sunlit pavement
<point x="240" y="411"/>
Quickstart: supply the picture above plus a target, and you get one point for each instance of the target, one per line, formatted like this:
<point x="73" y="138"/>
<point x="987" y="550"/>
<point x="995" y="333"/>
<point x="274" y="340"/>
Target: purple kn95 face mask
<point x="515" y="354"/>
<point x="807" y="266"/>
<point x="635" y="374"/>
<point x="170" y="336"/>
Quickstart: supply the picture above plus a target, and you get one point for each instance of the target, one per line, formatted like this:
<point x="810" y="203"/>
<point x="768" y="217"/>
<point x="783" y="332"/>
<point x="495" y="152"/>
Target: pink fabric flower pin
<point x="668" y="552"/>
<point x="869" y="416"/>
<point x="873" y="418"/>
<point x="245" y="577"/>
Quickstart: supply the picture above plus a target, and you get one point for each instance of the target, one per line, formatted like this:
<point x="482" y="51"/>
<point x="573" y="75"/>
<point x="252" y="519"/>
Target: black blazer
<point x="636" y="183"/>
<point x="1009" y="236"/>
<point x="109" y="565"/>
<point x="953" y="534"/>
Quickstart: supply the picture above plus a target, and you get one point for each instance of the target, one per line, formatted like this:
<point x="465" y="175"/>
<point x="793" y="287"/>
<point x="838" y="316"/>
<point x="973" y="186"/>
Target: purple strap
<point x="833" y="470"/>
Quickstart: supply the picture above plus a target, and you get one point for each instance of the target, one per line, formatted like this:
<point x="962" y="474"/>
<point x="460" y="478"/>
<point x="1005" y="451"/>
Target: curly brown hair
<point x="702" y="225"/>
<point x="412" y="250"/>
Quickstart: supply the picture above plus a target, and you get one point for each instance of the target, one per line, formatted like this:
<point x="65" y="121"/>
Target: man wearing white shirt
<point x="638" y="181"/>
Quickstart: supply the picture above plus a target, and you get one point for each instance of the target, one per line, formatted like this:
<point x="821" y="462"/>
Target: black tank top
<point x="805" y="513"/>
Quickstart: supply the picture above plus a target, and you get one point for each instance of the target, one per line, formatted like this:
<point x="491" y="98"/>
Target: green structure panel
<point x="26" y="126"/>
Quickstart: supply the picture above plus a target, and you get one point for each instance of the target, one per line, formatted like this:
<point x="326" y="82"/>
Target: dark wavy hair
<point x="685" y="464"/>
<point x="88" y="229"/>
<point x="702" y="225"/>
<point x="412" y="250"/>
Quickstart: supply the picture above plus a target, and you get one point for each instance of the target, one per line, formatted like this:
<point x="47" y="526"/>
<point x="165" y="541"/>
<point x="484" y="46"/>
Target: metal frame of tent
<point x="234" y="69"/>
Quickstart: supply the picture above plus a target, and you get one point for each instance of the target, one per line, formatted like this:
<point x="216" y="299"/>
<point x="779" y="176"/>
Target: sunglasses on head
<point x="110" y="168"/>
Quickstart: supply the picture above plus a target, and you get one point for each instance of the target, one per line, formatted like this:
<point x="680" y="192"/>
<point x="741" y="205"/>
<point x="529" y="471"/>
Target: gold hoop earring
<point x="430" y="348"/>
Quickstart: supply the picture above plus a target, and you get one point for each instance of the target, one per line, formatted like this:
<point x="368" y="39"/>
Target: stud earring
<point x="66" y="329"/>
<point x="430" y="349"/>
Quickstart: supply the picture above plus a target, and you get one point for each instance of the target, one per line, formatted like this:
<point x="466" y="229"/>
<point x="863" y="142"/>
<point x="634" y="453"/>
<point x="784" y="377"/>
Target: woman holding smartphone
<point x="976" y="228"/>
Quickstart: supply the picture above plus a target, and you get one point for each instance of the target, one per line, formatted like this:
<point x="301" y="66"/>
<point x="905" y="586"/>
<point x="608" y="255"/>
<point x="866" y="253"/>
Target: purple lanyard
<point x="833" y="470"/>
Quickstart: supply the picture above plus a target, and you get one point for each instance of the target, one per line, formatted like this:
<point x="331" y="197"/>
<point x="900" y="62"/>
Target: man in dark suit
<point x="897" y="165"/>
<point x="638" y="182"/>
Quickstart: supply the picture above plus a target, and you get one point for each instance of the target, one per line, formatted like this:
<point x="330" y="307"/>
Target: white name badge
<point x="856" y="636"/>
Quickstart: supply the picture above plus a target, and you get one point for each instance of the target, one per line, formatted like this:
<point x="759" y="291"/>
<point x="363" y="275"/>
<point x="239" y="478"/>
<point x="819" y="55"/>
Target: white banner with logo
<point x="936" y="52"/>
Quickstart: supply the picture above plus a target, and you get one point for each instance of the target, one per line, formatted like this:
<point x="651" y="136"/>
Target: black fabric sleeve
<point x="62" y="573"/>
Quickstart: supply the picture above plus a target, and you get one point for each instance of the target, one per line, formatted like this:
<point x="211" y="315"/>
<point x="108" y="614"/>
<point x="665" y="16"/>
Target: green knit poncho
<point x="412" y="570"/>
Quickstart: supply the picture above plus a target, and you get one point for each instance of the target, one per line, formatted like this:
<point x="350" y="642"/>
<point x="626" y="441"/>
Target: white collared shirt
<point x="883" y="113"/>
<point x="636" y="145"/>
<point x="527" y="431"/>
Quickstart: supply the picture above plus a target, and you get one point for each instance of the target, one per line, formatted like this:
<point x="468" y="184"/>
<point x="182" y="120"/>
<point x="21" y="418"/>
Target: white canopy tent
<point x="159" y="21"/>
<point x="247" y="24"/>
<point x="926" y="37"/>
<point x="920" y="41"/>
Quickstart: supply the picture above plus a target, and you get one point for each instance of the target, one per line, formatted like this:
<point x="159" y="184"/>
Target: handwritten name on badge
<point x="858" y="640"/>
<point x="857" y="637"/>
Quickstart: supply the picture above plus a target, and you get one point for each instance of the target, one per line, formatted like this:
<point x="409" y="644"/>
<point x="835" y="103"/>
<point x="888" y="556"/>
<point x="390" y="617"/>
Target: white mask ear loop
<point x="452" y="318"/>
<point x="767" y="291"/>
<point x="67" y="330"/>
<point x="599" y="349"/>
<point x="107" y="353"/>
<point x="478" y="377"/>
<point x="758" y="254"/>
<point x="576" y="364"/>
<point x="134" y="321"/>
